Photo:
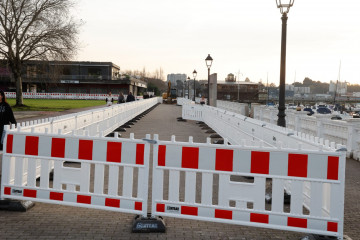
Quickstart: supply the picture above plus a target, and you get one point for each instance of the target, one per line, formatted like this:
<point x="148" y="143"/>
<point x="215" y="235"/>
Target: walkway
<point x="46" y="221"/>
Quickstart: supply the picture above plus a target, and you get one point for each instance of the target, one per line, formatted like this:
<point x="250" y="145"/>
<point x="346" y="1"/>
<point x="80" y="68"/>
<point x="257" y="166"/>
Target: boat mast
<point x="337" y="83"/>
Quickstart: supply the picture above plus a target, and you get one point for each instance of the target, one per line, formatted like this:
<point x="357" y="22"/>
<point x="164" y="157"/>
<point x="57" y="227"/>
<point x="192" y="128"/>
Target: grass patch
<point x="53" y="104"/>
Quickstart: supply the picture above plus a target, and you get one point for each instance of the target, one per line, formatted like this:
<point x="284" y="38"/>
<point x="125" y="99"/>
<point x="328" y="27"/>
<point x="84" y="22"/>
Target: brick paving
<point x="46" y="221"/>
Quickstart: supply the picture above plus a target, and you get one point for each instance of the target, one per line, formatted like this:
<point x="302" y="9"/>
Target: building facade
<point x="174" y="77"/>
<point x="72" y="77"/>
<point x="339" y="87"/>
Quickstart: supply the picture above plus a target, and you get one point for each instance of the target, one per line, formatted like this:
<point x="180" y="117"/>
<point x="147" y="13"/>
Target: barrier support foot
<point x="15" y="205"/>
<point x="318" y="237"/>
<point x="148" y="224"/>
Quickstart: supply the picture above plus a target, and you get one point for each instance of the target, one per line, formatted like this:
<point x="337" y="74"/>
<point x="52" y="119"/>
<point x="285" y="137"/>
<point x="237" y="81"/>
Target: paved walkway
<point x="46" y="221"/>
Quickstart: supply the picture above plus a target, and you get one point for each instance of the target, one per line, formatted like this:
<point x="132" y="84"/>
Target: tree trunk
<point x="18" y="82"/>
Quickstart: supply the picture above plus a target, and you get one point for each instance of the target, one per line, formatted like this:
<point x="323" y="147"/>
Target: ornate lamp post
<point x="194" y="74"/>
<point x="188" y="84"/>
<point x="208" y="61"/>
<point x="284" y="6"/>
<point x="184" y="88"/>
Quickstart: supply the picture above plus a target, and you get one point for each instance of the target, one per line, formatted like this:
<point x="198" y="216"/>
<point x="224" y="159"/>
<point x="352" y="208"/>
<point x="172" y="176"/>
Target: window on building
<point x="94" y="71"/>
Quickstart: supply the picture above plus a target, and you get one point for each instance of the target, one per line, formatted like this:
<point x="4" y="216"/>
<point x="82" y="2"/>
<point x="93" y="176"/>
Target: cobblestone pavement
<point x="45" y="221"/>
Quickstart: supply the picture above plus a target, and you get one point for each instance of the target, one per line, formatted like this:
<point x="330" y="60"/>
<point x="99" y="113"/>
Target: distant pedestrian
<point x="202" y="100"/>
<point x="130" y="97"/>
<point x="109" y="100"/>
<point x="121" y="98"/>
<point x="6" y="116"/>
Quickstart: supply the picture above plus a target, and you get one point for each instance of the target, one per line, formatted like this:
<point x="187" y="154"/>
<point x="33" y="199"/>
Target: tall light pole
<point x="184" y="88"/>
<point x="284" y="6"/>
<point x="194" y="75"/>
<point x="208" y="61"/>
<point x="188" y="78"/>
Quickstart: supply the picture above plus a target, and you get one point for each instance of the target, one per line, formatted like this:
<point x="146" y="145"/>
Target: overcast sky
<point x="240" y="35"/>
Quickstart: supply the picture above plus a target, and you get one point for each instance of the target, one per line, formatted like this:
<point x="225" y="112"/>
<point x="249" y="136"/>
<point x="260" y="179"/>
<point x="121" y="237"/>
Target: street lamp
<point x="208" y="61"/>
<point x="284" y="6"/>
<point x="188" y="78"/>
<point x="194" y="74"/>
<point x="184" y="88"/>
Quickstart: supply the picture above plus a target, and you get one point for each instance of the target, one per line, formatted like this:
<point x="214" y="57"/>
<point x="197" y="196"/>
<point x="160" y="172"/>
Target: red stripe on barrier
<point x="333" y="168"/>
<point x="160" y="207"/>
<point x="140" y="148"/>
<point x="297" y="222"/>
<point x="162" y="155"/>
<point x="7" y="190"/>
<point x="83" y="199"/>
<point x="85" y="149"/>
<point x="58" y="147"/>
<point x="225" y="214"/>
<point x="29" y="193"/>
<point x="113" y="153"/>
<point x="332" y="226"/>
<point x="190" y="157"/>
<point x="297" y="165"/>
<point x="110" y="202"/>
<point x="224" y="160"/>
<point x="31" y="145"/>
<point x="260" y="162"/>
<point x="259" y="218"/>
<point x="56" y="196"/>
<point x="189" y="210"/>
<point x="9" y="143"/>
<point x="138" y="206"/>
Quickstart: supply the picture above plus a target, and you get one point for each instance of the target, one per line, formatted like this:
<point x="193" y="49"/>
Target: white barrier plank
<point x="113" y="180"/>
<point x="128" y="181"/>
<point x="99" y="179"/>
<point x="174" y="182"/>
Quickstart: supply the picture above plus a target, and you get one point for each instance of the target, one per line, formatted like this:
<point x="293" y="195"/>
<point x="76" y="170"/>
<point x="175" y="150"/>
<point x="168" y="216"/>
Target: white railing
<point x="84" y="96"/>
<point x="344" y="132"/>
<point x="240" y="108"/>
<point x="104" y="119"/>
<point x="236" y="127"/>
<point x="183" y="101"/>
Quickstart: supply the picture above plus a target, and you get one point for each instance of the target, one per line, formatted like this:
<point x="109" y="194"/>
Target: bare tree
<point x="36" y="30"/>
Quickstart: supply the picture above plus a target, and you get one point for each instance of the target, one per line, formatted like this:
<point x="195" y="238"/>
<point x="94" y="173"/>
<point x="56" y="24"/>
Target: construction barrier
<point x="243" y="203"/>
<point x="80" y="164"/>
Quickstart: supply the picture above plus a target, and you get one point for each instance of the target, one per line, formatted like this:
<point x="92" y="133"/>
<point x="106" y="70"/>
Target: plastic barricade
<point x="29" y="156"/>
<point x="193" y="169"/>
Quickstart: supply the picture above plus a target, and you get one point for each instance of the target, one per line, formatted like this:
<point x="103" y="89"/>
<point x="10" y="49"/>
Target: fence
<point x="82" y="96"/>
<point x="82" y="163"/>
<point x="239" y="202"/>
<point x="126" y="161"/>
<point x="344" y="132"/>
<point x="98" y="122"/>
<point x="104" y="119"/>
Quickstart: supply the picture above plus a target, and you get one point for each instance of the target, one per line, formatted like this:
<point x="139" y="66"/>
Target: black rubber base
<point x="215" y="135"/>
<point x="318" y="237"/>
<point x="15" y="205"/>
<point x="148" y="224"/>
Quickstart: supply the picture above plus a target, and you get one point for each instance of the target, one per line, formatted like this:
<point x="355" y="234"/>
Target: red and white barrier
<point x="202" y="162"/>
<point x="74" y="184"/>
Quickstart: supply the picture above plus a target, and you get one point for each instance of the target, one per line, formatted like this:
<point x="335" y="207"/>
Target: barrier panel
<point x="105" y="119"/>
<point x="344" y="132"/>
<point x="80" y="164"/>
<point x="193" y="169"/>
